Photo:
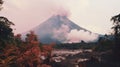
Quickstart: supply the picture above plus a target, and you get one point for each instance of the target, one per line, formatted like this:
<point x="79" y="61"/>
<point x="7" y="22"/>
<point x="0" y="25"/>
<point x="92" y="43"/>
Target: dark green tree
<point x="116" y="28"/>
<point x="6" y="34"/>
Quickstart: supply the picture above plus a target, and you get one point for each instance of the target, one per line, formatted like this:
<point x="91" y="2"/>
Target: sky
<point x="93" y="15"/>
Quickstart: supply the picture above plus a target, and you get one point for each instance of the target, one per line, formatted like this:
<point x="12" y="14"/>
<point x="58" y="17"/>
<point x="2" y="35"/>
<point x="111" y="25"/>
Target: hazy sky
<point x="93" y="15"/>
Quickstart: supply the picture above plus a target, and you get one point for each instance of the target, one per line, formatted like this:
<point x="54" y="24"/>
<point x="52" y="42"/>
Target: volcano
<point x="56" y="29"/>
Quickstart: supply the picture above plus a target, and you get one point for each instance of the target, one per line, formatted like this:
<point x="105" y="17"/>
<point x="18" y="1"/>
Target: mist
<point x="61" y="33"/>
<point x="65" y="35"/>
<point x="81" y="35"/>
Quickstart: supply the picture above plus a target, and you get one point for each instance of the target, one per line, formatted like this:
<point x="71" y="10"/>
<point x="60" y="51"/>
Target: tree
<point x="5" y="30"/>
<point x="6" y="34"/>
<point x="31" y="37"/>
<point x="1" y="2"/>
<point x="116" y="28"/>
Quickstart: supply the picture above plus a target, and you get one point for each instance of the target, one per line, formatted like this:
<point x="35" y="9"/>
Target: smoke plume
<point x="65" y="35"/>
<point x="78" y="36"/>
<point x="62" y="11"/>
<point x="61" y="33"/>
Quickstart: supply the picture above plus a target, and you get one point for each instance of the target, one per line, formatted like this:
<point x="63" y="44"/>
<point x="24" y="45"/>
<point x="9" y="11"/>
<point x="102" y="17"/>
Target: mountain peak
<point x="56" y="29"/>
<point x="58" y="17"/>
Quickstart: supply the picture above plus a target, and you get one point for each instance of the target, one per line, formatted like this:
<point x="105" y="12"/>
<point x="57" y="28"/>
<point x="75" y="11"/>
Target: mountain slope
<point x="56" y="29"/>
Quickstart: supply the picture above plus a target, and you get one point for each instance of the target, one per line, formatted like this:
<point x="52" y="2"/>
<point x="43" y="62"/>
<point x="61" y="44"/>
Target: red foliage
<point x="18" y="36"/>
<point x="31" y="37"/>
<point x="30" y="56"/>
<point x="28" y="53"/>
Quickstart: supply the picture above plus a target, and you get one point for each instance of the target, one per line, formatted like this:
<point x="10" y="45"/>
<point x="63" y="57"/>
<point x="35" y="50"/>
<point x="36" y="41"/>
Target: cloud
<point x="61" y="33"/>
<point x="78" y="36"/>
<point x="74" y="36"/>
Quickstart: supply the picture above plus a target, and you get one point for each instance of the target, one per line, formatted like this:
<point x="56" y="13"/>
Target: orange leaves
<point x="5" y="62"/>
<point x="35" y="42"/>
<point x="27" y="53"/>
<point x="11" y="49"/>
<point x="31" y="38"/>
<point x="48" y="47"/>
<point x="10" y="54"/>
<point x="30" y="56"/>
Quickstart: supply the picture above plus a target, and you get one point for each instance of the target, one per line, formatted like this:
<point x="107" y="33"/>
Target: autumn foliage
<point x="26" y="53"/>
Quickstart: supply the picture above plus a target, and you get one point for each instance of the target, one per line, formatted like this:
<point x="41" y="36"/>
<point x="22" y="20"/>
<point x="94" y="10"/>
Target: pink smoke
<point x="62" y="12"/>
